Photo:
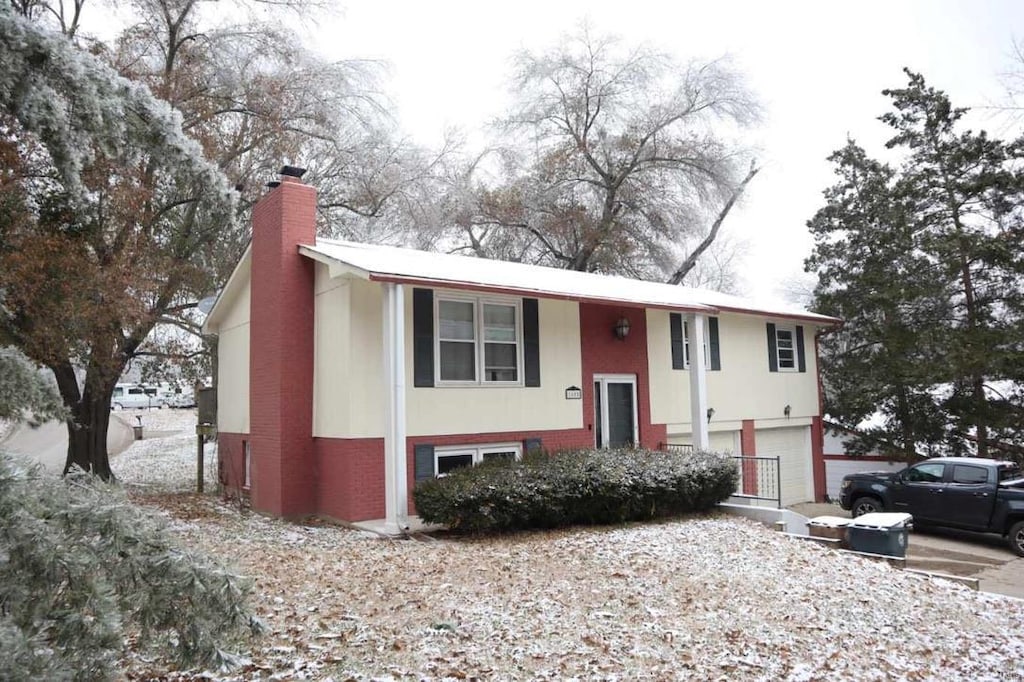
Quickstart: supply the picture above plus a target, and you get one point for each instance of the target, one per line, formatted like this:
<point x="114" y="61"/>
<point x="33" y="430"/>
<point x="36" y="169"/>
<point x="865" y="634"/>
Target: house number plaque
<point x="573" y="393"/>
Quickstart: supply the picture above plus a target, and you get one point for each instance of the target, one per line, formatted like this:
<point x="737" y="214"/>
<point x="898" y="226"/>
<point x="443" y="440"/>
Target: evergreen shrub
<point x="82" y="569"/>
<point x="576" y="487"/>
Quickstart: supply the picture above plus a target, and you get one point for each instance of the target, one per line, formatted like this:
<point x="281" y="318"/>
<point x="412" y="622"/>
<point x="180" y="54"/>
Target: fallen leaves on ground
<point x="701" y="598"/>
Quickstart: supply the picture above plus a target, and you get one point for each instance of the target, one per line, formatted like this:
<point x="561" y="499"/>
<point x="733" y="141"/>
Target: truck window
<point x="1010" y="472"/>
<point x="969" y="475"/>
<point x="134" y="391"/>
<point x="926" y="473"/>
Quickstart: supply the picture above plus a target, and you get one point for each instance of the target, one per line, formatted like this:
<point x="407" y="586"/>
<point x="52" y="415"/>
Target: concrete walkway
<point x="48" y="444"/>
<point x="942" y="550"/>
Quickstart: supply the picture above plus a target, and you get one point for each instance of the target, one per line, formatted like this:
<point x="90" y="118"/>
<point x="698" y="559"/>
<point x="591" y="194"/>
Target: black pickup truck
<point x="980" y="495"/>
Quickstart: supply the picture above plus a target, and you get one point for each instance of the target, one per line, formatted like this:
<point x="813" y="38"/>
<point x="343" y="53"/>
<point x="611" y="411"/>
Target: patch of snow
<point x="165" y="459"/>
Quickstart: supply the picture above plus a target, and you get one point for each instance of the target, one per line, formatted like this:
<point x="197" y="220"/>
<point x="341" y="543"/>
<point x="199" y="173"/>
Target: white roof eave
<point x="229" y="291"/>
<point x="395" y="264"/>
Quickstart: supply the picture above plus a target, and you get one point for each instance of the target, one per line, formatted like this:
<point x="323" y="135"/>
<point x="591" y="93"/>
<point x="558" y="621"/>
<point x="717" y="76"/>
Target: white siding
<point x="233" y="363"/>
<point x="483" y="409"/>
<point x="348" y="384"/>
<point x="743" y="389"/>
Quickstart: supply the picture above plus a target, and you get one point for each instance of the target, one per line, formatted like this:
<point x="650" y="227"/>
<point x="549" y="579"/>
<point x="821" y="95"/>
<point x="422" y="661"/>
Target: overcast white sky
<point x="819" y="68"/>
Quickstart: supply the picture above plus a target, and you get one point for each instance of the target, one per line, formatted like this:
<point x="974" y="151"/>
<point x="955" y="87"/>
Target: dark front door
<point x="615" y="411"/>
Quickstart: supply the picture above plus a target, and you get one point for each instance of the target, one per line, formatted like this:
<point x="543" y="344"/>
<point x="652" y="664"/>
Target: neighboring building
<point x="349" y="371"/>
<point x="839" y="464"/>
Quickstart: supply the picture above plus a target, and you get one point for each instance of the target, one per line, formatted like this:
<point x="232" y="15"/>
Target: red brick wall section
<point x="818" y="432"/>
<point x="818" y="459"/>
<point x="230" y="463"/>
<point x="748" y="448"/>
<point x="604" y="353"/>
<point x="350" y="485"/>
<point x="281" y="352"/>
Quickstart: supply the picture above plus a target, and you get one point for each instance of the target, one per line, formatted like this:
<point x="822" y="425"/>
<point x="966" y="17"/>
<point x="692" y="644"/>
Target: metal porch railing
<point x="760" y="478"/>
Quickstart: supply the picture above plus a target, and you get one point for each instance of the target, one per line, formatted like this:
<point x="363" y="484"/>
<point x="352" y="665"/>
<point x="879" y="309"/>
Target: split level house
<point x="347" y="371"/>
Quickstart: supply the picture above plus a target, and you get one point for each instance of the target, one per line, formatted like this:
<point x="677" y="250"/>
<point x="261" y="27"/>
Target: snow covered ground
<point x="700" y="598"/>
<point x="165" y="460"/>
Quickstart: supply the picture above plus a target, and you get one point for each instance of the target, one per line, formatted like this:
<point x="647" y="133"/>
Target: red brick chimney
<point x="281" y="350"/>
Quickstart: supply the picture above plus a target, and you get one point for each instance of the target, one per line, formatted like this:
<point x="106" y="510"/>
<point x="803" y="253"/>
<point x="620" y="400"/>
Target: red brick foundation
<point x="230" y="460"/>
<point x="350" y="484"/>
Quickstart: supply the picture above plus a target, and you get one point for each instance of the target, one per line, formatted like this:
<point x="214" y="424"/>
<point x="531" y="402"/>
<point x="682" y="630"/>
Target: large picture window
<point x="479" y="340"/>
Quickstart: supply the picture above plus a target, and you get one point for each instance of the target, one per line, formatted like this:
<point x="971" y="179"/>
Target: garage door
<point x="793" y="448"/>
<point x="722" y="441"/>
<point x="718" y="441"/>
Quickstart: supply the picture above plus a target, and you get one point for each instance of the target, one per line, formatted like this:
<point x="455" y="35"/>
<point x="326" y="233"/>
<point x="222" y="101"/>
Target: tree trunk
<point x="90" y="417"/>
<point x="87" y="436"/>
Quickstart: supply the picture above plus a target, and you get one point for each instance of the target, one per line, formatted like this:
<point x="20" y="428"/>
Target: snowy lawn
<point x="700" y="598"/>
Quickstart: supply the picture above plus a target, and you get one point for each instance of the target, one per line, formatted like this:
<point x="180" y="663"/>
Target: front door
<point x="615" y="419"/>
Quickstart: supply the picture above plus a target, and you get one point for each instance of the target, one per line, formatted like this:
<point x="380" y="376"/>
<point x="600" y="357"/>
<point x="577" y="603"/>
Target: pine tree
<point x="873" y="274"/>
<point x="925" y="263"/>
<point x="83" y="568"/>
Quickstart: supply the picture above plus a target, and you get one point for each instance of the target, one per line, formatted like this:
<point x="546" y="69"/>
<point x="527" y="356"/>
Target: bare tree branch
<point x="691" y="260"/>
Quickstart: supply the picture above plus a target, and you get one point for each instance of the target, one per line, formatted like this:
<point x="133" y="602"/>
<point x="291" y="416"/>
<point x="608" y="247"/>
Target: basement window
<point x="448" y="459"/>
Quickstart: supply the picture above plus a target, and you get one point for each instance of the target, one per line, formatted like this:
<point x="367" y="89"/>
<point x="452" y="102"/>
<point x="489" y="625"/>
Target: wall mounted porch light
<point x="622" y="328"/>
<point x="786" y="410"/>
<point x="711" y="413"/>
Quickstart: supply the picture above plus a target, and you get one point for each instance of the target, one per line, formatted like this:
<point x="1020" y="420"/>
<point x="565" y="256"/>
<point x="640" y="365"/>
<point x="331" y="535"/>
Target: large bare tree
<point x="612" y="159"/>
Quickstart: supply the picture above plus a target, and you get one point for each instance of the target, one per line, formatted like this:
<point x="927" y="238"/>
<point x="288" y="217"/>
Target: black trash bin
<point x="880" y="533"/>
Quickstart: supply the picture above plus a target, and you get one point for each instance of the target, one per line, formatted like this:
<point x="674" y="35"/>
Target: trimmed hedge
<point x="576" y="487"/>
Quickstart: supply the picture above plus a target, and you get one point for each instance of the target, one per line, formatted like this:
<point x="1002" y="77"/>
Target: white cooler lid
<point x="882" y="520"/>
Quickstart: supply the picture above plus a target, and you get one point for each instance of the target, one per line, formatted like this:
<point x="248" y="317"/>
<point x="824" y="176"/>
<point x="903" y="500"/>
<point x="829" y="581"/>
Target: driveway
<point x="953" y="552"/>
<point x="48" y="444"/>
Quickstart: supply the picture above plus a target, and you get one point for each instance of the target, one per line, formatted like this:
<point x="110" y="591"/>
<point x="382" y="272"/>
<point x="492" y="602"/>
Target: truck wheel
<point x="1016" y="538"/>
<point x="865" y="505"/>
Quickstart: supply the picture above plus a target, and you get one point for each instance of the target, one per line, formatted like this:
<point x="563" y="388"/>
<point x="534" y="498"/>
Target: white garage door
<point x="723" y="441"/>
<point x="793" y="448"/>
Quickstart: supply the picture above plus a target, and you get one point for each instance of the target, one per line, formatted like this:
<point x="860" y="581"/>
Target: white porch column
<point x="396" y="506"/>
<point x="698" y="380"/>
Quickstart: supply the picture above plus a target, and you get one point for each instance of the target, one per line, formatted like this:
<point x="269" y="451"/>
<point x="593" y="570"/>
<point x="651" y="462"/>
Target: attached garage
<point x="724" y="441"/>
<point x="792" y="445"/>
